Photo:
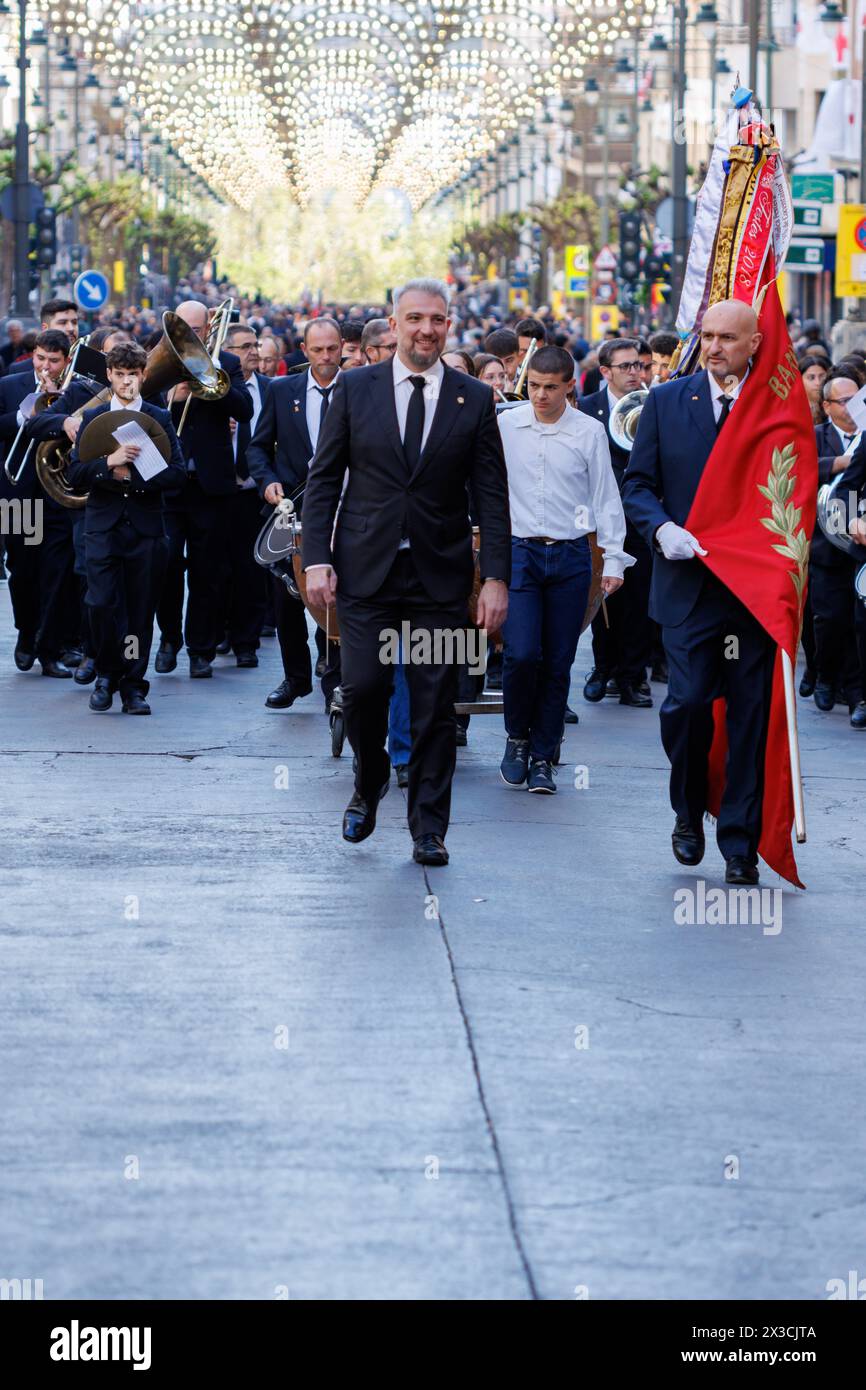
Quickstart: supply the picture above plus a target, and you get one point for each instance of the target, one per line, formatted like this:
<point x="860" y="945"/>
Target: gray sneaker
<point x="513" y="767"/>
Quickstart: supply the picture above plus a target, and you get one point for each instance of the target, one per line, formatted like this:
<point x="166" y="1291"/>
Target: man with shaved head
<point x="199" y="515"/>
<point x="714" y="646"/>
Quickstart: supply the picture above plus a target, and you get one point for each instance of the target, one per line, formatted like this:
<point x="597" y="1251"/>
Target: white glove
<point x="676" y="543"/>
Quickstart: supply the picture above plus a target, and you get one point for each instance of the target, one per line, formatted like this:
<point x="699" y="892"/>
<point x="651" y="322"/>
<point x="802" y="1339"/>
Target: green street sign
<point x="806" y="256"/>
<point x="807" y="215"/>
<point x="814" y="188"/>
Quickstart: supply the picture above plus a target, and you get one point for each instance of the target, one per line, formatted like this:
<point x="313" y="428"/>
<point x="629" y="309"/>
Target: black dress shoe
<point x="247" y="659"/>
<point x="634" y="695"/>
<point x="24" y="660"/>
<point x="72" y="656"/>
<point x="659" y="672"/>
<point x="268" y="631"/>
<point x="199" y="668"/>
<point x="320" y="666"/>
<point x="688" y="844"/>
<point x="571" y="716"/>
<point x="135" y="703"/>
<point x="807" y="684"/>
<point x="85" y="671"/>
<point x="359" y="817"/>
<point x="430" y="849"/>
<point x="825" y="696"/>
<point x="740" y="870"/>
<point x="285" y="695"/>
<point x="166" y="658"/>
<point x="402" y="771"/>
<point x="596" y="684"/>
<point x="462" y="737"/>
<point x="101" y="695"/>
<point x="611" y="689"/>
<point x="54" y="668"/>
<point x="858" y="715"/>
<point x="224" y="647"/>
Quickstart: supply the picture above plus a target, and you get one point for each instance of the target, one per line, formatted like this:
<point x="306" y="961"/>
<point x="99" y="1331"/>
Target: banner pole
<point x="794" y="748"/>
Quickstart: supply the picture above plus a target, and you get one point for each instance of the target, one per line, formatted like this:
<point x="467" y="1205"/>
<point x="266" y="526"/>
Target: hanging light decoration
<point x="353" y="95"/>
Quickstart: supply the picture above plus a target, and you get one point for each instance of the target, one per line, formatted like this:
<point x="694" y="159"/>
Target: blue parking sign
<point x="90" y="290"/>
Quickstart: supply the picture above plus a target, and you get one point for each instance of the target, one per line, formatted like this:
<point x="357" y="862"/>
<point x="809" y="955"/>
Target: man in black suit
<point x="10" y="349"/>
<point x="199" y="514"/>
<point x="245" y="589"/>
<point x="699" y="615"/>
<point x="622" y="650"/>
<point x="279" y="457"/>
<point x="853" y="490"/>
<point x="831" y="572"/>
<point x="40" y="575"/>
<point x="124" y="530"/>
<point x="412" y="435"/>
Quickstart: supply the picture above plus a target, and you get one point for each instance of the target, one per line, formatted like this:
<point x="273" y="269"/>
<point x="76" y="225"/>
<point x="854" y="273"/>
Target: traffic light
<point x="76" y="259"/>
<point x="46" y="237"/>
<point x="629" y="247"/>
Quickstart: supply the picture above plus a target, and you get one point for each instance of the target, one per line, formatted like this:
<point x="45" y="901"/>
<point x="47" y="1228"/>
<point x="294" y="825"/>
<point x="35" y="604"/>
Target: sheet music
<point x="150" y="461"/>
<point x="857" y="408"/>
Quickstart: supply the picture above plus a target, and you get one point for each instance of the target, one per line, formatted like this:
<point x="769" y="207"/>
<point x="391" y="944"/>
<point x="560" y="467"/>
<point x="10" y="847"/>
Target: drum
<point x="860" y="583"/>
<point x="279" y="548"/>
<point x="593" y="603"/>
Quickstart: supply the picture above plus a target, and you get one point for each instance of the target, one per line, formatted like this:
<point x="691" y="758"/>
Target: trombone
<point x="219" y="326"/>
<point x="517" y="393"/>
<point x="44" y="402"/>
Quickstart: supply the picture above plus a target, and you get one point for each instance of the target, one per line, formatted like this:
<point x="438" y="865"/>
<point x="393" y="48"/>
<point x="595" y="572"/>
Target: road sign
<point x="806" y="255"/>
<point x="807" y="215"/>
<point x="605" y="260"/>
<point x="602" y="317"/>
<point x="816" y="188"/>
<point x="851" y="251"/>
<point x="90" y="290"/>
<point x="605" y="293"/>
<point x="35" y="201"/>
<point x="577" y="271"/>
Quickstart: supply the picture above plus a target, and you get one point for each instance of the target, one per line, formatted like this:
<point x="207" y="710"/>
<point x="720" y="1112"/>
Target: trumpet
<point x="517" y="393"/>
<point x="214" y="389"/>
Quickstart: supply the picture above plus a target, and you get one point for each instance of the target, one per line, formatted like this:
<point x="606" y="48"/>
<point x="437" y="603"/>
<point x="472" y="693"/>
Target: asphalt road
<point x="242" y="1059"/>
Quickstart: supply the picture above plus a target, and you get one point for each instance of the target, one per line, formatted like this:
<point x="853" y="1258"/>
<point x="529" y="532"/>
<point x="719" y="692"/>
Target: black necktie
<point x="724" y="412"/>
<point x="848" y="438"/>
<point x="414" y="435"/>
<point x="325" y="393"/>
<point x="242" y="435"/>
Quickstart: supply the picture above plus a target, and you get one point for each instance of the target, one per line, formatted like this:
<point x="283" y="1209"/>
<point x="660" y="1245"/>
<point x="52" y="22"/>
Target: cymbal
<point x="97" y="438"/>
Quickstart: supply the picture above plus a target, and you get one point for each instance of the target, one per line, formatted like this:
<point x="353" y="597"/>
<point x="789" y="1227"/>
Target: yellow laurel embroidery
<point x="785" y="517"/>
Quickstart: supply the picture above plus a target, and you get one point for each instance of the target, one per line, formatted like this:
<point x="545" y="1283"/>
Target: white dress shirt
<point x="255" y="391"/>
<point x="314" y="405"/>
<point x="561" y="483"/>
<point x="403" y="389"/>
<point x="717" y="392"/>
<point x="117" y="404"/>
<point x="848" y="448"/>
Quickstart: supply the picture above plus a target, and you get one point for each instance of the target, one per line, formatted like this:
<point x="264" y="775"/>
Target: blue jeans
<point x="399" y="738"/>
<point x="546" y="603"/>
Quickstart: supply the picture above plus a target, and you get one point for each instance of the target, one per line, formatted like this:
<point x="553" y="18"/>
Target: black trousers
<point x="123" y="568"/>
<point x="698" y="673"/>
<point x="200" y="525"/>
<point x="293" y="636"/>
<point x="246" y="582"/>
<point x="366" y="684"/>
<point x="832" y="592"/>
<point x="624" y="650"/>
<point x="45" y="594"/>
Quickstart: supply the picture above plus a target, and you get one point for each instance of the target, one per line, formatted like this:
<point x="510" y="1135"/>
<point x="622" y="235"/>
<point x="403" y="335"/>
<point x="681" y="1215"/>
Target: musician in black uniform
<point x="621" y="638"/>
<point x="852" y="492"/>
<point x="40" y="563"/>
<point x="199" y="513"/>
<point x="61" y="314"/>
<point x="124" y="532"/>
<point x="831" y="571"/>
<point x="279" y="456"/>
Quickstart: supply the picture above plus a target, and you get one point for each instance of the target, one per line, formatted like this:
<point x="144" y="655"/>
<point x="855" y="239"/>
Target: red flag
<point x="754" y="514"/>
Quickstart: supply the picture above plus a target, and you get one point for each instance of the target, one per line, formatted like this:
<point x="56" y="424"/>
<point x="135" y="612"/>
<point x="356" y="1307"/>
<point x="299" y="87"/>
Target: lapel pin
<point x="459" y="400"/>
<point x="695" y="398"/>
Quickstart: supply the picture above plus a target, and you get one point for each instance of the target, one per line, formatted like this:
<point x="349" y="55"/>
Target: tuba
<point x="625" y="418"/>
<point x="178" y="356"/>
<point x="832" y="517"/>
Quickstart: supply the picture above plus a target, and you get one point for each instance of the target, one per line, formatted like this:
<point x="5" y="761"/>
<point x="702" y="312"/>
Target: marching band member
<point x="124" y="534"/>
<point x="561" y="486"/>
<point x="61" y="314"/>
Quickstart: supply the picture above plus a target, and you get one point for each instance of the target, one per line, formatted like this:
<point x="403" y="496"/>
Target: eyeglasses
<point x="625" y="366"/>
<point x="839" y="400"/>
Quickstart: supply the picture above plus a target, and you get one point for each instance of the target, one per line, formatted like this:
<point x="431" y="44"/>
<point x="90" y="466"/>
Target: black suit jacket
<point x="464" y="447"/>
<point x="598" y="406"/>
<point x="15" y="367"/>
<point x="243" y="433"/>
<point x="675" y="437"/>
<point x="280" y="450"/>
<point x="110" y="498"/>
<point x="830" y="447"/>
<point x="13" y="390"/>
<point x="207" y="438"/>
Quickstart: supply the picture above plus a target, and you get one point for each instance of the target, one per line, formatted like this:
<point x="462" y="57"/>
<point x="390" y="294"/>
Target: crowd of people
<point x="171" y="552"/>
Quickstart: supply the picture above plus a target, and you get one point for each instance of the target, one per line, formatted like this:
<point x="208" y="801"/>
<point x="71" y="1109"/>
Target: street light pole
<point x="680" y="159"/>
<point x="604" y="221"/>
<point x="22" y="175"/>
